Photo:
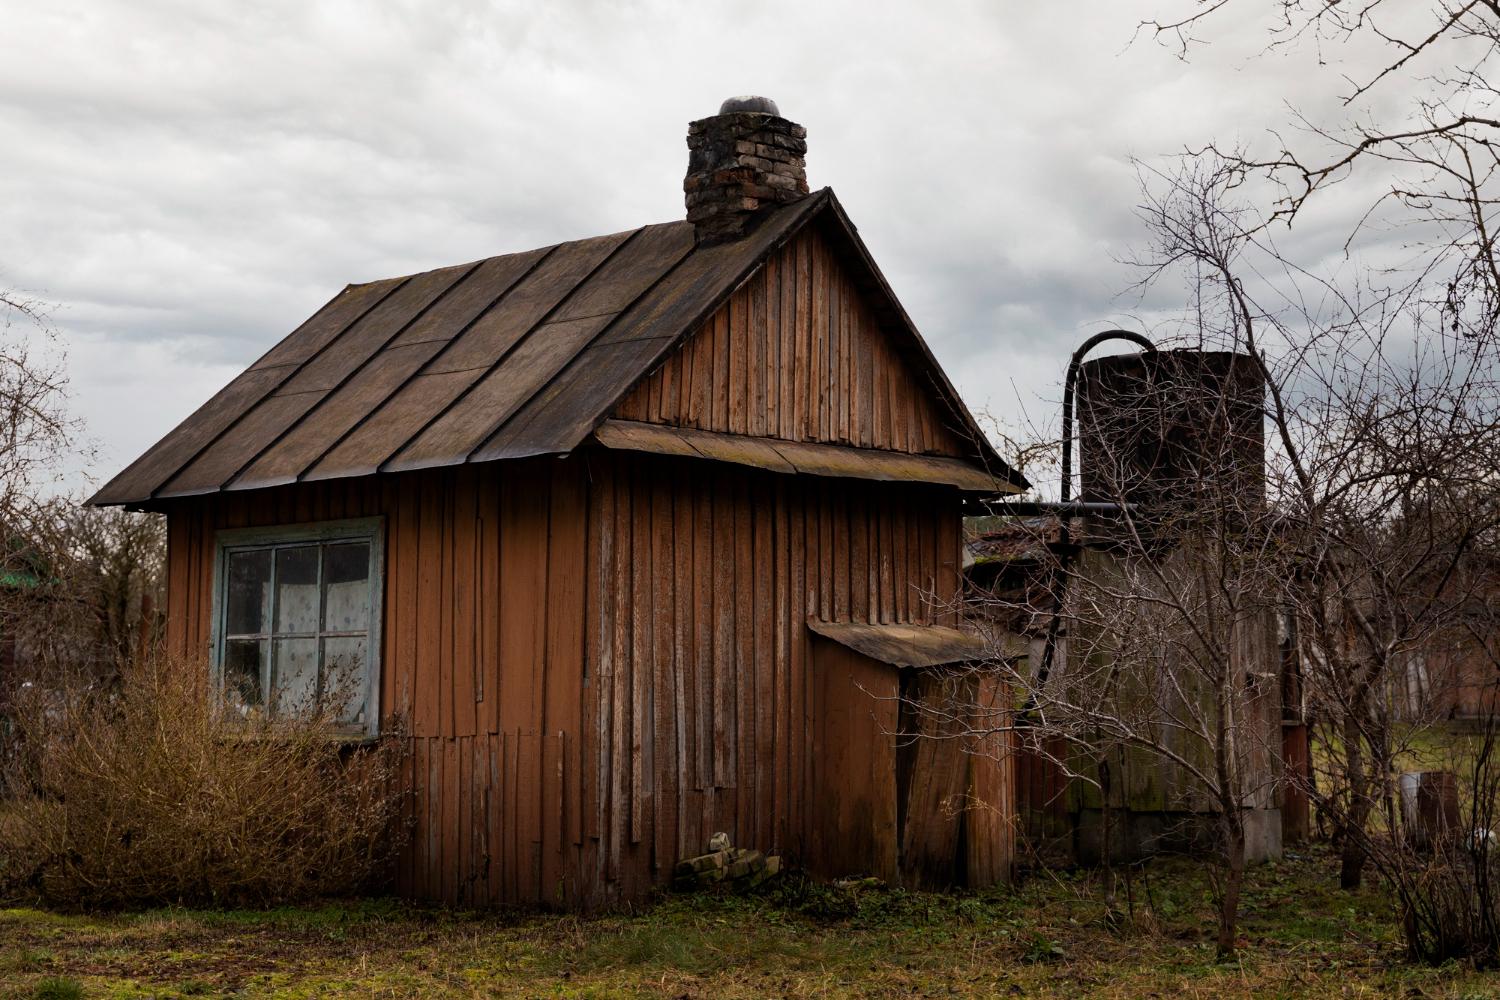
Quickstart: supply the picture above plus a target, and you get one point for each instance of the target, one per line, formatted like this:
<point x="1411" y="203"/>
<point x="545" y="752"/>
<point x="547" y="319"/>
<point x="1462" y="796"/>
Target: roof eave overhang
<point x="802" y="457"/>
<point x="919" y="646"/>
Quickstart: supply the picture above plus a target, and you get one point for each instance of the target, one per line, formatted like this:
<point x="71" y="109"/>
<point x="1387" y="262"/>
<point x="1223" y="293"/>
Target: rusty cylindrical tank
<point x="1177" y="433"/>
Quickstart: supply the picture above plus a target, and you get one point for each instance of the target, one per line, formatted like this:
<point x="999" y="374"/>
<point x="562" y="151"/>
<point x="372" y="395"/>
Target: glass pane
<point x="248" y="605"/>
<point x="345" y="671"/>
<point x="346" y="579"/>
<point x="296" y="687"/>
<point x="244" y="676"/>
<point x="297" y="589"/>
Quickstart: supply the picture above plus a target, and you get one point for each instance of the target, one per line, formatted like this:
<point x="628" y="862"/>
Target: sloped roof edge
<point x="370" y="384"/>
<point x="944" y="388"/>
<point x="800" y="457"/>
<point x="904" y="645"/>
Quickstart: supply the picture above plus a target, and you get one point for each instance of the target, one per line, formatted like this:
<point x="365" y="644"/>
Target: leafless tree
<point x="35" y="429"/>
<point x="95" y="606"/>
<point x="78" y="584"/>
<point x="1419" y="123"/>
<point x="1369" y="538"/>
<point x="1151" y="679"/>
<point x="1383" y="420"/>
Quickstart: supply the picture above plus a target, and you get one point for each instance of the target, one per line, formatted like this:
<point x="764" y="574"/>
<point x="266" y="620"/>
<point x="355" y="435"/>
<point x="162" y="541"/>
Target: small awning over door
<point x="906" y="645"/>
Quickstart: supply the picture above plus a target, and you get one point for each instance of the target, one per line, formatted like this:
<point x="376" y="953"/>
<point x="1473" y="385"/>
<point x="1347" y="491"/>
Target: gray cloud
<point x="188" y="181"/>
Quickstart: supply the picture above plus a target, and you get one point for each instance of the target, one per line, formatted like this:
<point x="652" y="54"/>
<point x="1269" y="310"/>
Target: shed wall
<point x="704" y="577"/>
<point x="601" y="660"/>
<point x="798" y="354"/>
<point x="481" y="656"/>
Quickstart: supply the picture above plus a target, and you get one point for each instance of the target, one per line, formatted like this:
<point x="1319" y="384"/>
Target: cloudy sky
<point x="186" y="181"/>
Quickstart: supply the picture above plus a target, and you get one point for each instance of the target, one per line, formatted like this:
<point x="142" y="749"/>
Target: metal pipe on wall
<point x="1067" y="507"/>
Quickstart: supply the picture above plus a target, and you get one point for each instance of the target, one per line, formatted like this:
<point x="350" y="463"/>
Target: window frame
<point x="367" y="529"/>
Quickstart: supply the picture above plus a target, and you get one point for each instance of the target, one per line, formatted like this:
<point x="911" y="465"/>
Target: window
<point x="297" y="621"/>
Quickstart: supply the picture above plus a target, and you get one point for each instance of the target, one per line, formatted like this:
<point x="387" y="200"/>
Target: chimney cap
<point x="749" y="102"/>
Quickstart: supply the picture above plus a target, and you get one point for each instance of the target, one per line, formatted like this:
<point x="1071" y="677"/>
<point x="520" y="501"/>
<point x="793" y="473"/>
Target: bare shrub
<point x="148" y="793"/>
<point x="1448" y="905"/>
<point x="1447" y="880"/>
<point x="86" y="604"/>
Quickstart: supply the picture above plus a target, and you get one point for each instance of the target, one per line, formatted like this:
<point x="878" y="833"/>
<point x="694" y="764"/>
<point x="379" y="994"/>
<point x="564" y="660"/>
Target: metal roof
<point x="518" y="355"/>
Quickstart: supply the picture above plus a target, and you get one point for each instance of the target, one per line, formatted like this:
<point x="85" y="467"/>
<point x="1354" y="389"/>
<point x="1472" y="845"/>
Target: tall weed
<point x="149" y="793"/>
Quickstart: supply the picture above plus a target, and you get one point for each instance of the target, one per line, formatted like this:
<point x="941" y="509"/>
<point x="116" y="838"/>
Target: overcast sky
<point x="186" y="181"/>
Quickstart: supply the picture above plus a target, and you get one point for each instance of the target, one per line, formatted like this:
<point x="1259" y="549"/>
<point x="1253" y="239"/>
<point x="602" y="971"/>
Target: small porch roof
<point x="907" y="645"/>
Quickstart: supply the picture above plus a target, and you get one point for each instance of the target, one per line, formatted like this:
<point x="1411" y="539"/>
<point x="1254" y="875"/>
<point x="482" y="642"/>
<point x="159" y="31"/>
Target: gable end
<point x="798" y="353"/>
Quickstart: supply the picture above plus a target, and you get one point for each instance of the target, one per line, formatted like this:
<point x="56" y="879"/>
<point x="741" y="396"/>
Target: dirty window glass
<point x="295" y="627"/>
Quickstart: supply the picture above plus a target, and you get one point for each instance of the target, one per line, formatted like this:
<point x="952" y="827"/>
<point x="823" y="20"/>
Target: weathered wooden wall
<point x="947" y="817"/>
<point x="857" y="795"/>
<point x="1044" y="799"/>
<point x="796" y="354"/>
<point x="602" y="660"/>
<point x="1155" y="803"/>
<point x="704" y="577"/>
<point x="990" y="840"/>
<point x="481" y="656"/>
<point x="956" y="772"/>
<point x="1453" y="679"/>
<point x="1144" y="780"/>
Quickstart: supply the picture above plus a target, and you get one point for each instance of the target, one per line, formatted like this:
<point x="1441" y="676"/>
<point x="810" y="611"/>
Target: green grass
<point x="57" y="988"/>
<point x="1050" y="937"/>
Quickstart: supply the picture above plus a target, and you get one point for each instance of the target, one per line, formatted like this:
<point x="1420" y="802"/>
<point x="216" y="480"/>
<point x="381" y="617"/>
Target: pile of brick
<point x="739" y="163"/>
<point x="724" y="864"/>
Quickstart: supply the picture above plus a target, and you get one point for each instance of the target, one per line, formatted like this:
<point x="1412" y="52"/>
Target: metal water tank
<point x="1178" y="433"/>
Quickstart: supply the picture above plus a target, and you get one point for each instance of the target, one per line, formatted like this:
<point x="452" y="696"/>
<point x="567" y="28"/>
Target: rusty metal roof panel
<point x="631" y="347"/>
<point x="263" y="425"/>
<point x="145" y="475"/>
<point x="344" y="409"/>
<point x="532" y="365"/>
<point x="547" y="277"/>
<point x="327" y="323"/>
<point x="160" y="462"/>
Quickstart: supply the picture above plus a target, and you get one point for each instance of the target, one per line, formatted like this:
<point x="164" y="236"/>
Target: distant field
<point x="1049" y="938"/>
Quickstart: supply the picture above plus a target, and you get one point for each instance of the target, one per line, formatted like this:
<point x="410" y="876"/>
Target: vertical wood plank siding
<point x="700" y="658"/>
<point x="796" y="354"/>
<point x="481" y="657"/>
<point x="601" y="660"/>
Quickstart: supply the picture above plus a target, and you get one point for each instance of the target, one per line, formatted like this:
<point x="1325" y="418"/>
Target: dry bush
<point x="147" y="793"/>
<point x="1449" y="893"/>
<point x="1448" y="905"/>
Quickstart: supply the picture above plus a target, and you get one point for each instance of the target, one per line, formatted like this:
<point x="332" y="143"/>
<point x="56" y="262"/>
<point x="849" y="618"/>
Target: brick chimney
<point x="742" y="161"/>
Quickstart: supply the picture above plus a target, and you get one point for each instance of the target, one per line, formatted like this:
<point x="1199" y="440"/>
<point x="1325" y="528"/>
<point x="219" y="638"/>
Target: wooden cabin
<point x="640" y="537"/>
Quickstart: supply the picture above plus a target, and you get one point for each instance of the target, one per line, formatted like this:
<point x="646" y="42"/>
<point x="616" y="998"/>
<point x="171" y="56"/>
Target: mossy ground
<point x="1051" y="937"/>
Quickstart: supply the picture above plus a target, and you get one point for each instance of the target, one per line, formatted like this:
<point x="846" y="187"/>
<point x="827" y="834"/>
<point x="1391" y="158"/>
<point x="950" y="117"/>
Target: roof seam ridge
<point x="245" y="466"/>
<point x="156" y="491"/>
<point x="574" y="319"/>
<point x="542" y="321"/>
<point x="451" y="371"/>
<point x="593" y="342"/>
<point x="423" y="368"/>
